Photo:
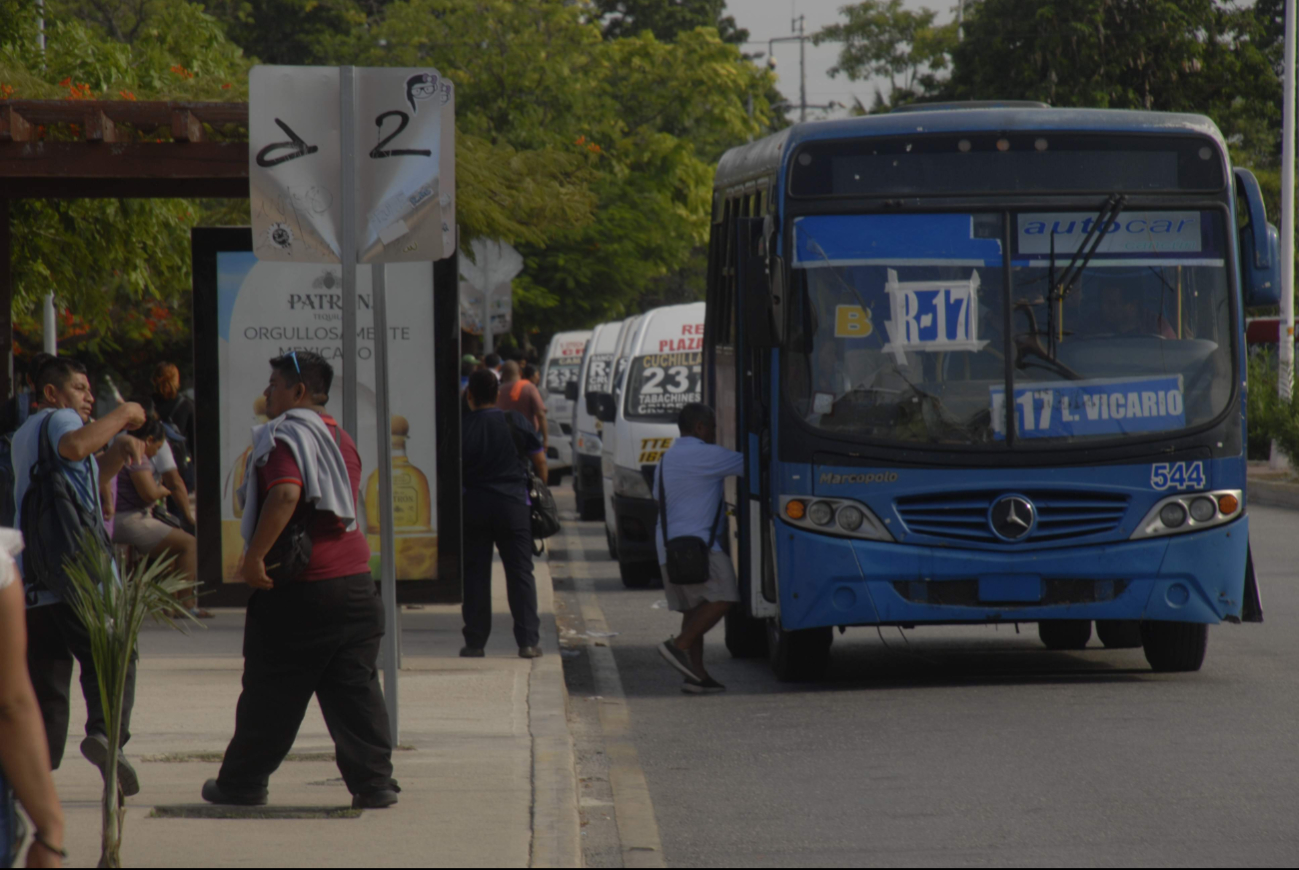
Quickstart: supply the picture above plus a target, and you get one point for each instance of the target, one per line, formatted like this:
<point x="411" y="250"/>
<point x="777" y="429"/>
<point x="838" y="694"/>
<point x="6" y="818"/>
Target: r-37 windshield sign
<point x="403" y="149"/>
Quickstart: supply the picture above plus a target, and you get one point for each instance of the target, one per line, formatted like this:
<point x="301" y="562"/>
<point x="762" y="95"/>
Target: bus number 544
<point x="1177" y="475"/>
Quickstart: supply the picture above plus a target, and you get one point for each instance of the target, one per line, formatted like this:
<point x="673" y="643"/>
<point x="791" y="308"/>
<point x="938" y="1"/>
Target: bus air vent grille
<point x="1061" y="514"/>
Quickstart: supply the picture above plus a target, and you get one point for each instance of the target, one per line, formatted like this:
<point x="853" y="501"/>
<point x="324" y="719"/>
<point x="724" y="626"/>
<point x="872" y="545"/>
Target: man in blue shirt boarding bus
<point x="689" y="483"/>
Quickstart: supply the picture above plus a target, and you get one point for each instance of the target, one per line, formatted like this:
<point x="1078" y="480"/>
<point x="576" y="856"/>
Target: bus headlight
<point x="630" y="483"/>
<point x="841" y="517"/>
<point x="1190" y="513"/>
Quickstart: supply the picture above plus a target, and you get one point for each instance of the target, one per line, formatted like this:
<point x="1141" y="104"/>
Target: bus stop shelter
<point x="137" y="149"/>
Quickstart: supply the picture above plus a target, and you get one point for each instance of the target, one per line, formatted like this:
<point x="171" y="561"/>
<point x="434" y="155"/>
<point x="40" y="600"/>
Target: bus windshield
<point x="900" y="334"/>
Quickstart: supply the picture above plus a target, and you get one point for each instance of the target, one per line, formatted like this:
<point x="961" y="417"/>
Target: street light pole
<point x="802" y="67"/>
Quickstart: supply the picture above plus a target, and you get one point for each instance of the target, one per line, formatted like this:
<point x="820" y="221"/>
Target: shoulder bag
<point x="688" y="555"/>
<point x="545" y="513"/>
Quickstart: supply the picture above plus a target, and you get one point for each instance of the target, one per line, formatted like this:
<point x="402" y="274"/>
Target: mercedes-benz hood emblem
<point x="1012" y="517"/>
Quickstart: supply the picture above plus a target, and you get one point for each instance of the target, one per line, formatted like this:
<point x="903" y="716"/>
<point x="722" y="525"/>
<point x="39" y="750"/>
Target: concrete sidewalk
<point x="486" y="764"/>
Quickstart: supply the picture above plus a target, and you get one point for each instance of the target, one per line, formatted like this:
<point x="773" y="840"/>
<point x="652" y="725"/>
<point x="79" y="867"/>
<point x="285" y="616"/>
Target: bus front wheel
<point x="798" y="656"/>
<point x="746" y="637"/>
<point x="1173" y="647"/>
<point x="1063" y="634"/>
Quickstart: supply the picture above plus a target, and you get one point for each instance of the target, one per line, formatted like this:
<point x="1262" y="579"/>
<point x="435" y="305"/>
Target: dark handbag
<point x="166" y="517"/>
<point x="56" y="525"/>
<point x="545" y="513"/>
<point x="688" y="555"/>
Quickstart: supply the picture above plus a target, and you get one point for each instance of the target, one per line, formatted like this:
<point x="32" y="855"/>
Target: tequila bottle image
<point x="412" y="511"/>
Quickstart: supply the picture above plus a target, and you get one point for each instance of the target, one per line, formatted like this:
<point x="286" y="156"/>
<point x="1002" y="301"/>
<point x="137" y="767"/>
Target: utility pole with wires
<point x="797" y="27"/>
<point x="1285" y="380"/>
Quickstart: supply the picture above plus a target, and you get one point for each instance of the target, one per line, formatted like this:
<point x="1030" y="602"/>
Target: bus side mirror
<point x="570" y="391"/>
<point x="601" y="406"/>
<point x="753" y="283"/>
<point x="1260" y="260"/>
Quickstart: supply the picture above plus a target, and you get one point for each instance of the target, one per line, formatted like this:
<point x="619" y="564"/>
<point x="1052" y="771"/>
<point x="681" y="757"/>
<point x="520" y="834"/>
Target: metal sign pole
<point x="387" y="541"/>
<point x="347" y="125"/>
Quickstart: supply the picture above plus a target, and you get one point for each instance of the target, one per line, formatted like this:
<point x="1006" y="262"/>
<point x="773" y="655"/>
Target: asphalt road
<point x="956" y="746"/>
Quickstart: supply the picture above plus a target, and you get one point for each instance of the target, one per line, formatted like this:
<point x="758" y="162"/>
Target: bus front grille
<point x="1061" y="514"/>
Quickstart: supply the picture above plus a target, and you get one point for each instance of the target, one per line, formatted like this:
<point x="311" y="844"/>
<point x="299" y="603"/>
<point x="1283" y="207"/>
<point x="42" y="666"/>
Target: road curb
<point x="1272" y="493"/>
<point x="556" y="823"/>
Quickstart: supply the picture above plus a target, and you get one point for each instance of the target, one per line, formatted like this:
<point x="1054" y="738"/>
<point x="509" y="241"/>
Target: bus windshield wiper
<point x="1057" y="291"/>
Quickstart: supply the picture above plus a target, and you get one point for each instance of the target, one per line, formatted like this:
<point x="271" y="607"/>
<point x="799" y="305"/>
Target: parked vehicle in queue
<point x="559" y="367"/>
<point x="662" y="374"/>
<point x="596" y="375"/>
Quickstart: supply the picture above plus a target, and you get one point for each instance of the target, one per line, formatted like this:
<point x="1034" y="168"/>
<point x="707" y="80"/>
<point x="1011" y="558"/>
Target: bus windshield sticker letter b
<point x="852" y="321"/>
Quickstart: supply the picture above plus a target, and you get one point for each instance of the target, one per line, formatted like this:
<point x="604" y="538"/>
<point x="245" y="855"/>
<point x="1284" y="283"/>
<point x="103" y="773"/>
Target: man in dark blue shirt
<point x="496" y="511"/>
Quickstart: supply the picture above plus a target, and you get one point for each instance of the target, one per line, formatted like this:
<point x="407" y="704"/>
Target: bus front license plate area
<point x="1010" y="587"/>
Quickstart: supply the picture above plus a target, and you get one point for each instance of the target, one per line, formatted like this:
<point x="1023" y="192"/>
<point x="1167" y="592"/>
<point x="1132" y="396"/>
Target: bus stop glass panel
<point x="898" y="331"/>
<point x="1138" y="343"/>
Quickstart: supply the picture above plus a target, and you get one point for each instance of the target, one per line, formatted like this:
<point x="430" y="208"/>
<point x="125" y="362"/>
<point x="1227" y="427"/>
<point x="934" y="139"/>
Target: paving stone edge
<point x="1274" y="493"/>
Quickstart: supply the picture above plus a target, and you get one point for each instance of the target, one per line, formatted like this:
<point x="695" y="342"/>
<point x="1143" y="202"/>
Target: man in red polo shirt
<point x="319" y="632"/>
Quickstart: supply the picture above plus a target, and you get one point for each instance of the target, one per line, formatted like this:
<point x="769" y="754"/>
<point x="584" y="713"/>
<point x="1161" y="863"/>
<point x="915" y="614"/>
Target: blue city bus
<point x="986" y="365"/>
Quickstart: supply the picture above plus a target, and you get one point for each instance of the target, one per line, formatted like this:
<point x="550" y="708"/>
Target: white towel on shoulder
<point x="325" y="483"/>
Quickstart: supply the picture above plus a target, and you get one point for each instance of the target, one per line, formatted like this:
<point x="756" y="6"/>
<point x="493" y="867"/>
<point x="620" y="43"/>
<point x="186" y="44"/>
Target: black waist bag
<point x="688" y="555"/>
<point x="56" y="525"/>
<point x="291" y="553"/>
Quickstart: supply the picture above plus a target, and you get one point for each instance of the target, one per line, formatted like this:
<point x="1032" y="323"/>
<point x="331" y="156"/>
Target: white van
<point x="596" y="376"/>
<point x="661" y="375"/>
<point x="608" y="433"/>
<point x="559" y="366"/>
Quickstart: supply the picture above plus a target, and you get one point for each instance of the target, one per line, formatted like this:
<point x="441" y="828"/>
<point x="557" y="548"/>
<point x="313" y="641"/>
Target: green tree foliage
<point x="1167" y="55"/>
<point x="291" y="31"/>
<point x="119" y="269"/>
<point x="884" y="39"/>
<point x="614" y="140"/>
<point x="667" y="18"/>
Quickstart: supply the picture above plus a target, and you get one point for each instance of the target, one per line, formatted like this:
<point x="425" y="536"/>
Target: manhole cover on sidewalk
<point x="214" y="811"/>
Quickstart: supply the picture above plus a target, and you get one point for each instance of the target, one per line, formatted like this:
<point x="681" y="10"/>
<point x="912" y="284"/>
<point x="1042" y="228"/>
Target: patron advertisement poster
<point x="265" y="309"/>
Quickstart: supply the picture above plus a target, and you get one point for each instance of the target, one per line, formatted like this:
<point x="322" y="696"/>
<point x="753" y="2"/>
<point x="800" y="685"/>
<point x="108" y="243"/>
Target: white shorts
<point x="721" y="585"/>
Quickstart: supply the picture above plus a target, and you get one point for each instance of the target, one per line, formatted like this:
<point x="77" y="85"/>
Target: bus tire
<point x="746" y="637"/>
<point x="1174" y="647"/>
<point x="1119" y="633"/>
<point x="590" y="509"/>
<point x="1065" y="634"/>
<point x="798" y="656"/>
<point x="640" y="575"/>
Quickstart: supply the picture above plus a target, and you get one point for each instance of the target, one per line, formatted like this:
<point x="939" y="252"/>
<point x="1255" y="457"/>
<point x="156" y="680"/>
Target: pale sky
<point x="767" y="18"/>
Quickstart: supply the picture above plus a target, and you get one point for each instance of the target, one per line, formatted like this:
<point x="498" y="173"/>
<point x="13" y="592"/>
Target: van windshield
<point x="659" y="385"/>
<point x="903" y="318"/>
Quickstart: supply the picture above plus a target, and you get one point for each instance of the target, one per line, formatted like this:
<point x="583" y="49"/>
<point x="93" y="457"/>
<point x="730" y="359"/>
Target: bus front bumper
<point x="635" y="520"/>
<point x="1195" y="577"/>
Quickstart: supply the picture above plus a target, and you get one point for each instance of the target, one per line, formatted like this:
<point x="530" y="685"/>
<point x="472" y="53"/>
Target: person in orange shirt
<point x="519" y="394"/>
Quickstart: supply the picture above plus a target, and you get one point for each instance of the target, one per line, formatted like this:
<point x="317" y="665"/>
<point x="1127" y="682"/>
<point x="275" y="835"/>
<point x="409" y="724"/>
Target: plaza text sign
<point x="402" y="150"/>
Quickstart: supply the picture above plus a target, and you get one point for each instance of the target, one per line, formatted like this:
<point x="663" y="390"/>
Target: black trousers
<point x="315" y="638"/>
<point x="494" y="519"/>
<point x="55" y="636"/>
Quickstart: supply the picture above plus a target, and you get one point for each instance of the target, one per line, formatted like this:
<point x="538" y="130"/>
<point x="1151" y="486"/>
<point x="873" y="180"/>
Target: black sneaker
<point x="374" y="800"/>
<point x="678" y="659"/>
<point x="95" y="750"/>
<point x="702" y="687"/>
<point x="214" y="794"/>
<point x="529" y="652"/>
<point x="471" y="652"/>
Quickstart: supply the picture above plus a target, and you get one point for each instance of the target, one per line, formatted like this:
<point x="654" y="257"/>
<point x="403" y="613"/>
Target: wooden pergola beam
<point x="144" y="115"/>
<point x="70" y="170"/>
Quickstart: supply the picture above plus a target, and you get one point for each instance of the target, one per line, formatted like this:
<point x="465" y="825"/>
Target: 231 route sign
<point x="403" y="153"/>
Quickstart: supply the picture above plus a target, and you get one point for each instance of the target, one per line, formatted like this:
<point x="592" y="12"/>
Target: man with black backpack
<point x="56" y="490"/>
<point x="493" y="446"/>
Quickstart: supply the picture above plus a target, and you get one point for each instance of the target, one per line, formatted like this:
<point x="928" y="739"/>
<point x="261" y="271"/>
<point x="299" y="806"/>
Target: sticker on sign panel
<point x="932" y="316"/>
